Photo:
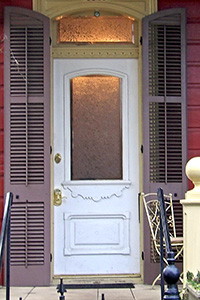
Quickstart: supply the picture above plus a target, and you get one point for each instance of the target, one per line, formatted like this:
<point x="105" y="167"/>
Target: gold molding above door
<point x="94" y="52"/>
<point x="132" y="8"/>
<point x="53" y="8"/>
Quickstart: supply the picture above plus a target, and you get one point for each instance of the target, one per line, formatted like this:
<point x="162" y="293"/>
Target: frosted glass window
<point x="96" y="30"/>
<point x="96" y="133"/>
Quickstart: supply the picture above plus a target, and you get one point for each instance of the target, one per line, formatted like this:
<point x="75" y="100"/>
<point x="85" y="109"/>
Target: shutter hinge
<point x="50" y="149"/>
<point x="50" y="40"/>
<point x="142" y="255"/>
<point x="142" y="148"/>
<point x="51" y="257"/>
<point x="139" y="207"/>
<point x="141" y="40"/>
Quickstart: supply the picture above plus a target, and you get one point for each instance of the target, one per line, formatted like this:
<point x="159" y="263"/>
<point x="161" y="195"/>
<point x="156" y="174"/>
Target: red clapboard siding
<point x="1" y="125"/>
<point x="1" y="74"/>
<point x="193" y="95"/>
<point x="1" y="203"/>
<point x="1" y="185"/>
<point x="1" y="143"/>
<point x="193" y="116"/>
<point x="1" y="96"/>
<point x="191" y="6"/>
<point x="20" y="3"/>
<point x="193" y="138"/>
<point x="1" y="53"/>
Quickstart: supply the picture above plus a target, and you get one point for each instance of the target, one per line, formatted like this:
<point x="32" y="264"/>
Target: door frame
<point x="137" y="10"/>
<point x="118" y="52"/>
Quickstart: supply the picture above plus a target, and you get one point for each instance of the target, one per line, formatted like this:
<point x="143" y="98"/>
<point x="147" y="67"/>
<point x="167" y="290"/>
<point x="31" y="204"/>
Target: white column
<point x="191" y="219"/>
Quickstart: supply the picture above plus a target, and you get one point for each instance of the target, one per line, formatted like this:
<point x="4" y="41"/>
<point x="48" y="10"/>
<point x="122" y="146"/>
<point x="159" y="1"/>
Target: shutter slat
<point x="30" y="231"/>
<point x="27" y="53"/>
<point x="20" y="135"/>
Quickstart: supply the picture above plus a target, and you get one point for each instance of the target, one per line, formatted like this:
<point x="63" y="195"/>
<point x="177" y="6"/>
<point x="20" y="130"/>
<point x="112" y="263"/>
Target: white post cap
<point x="192" y="170"/>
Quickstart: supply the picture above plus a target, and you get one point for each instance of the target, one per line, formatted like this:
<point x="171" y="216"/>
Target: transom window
<point x="95" y="29"/>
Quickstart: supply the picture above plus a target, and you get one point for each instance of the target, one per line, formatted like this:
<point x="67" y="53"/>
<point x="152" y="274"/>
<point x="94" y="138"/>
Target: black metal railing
<point x="62" y="288"/>
<point x="5" y="233"/>
<point x="171" y="273"/>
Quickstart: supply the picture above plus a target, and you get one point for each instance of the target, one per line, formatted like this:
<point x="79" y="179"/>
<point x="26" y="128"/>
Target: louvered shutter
<point x="164" y="108"/>
<point x="27" y="143"/>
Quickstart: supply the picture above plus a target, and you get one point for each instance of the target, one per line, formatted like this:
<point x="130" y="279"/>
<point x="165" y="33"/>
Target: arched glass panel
<point x="96" y="129"/>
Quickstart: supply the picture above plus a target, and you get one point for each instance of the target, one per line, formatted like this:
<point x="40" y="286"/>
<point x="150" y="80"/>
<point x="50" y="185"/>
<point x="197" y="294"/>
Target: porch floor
<point x="140" y="292"/>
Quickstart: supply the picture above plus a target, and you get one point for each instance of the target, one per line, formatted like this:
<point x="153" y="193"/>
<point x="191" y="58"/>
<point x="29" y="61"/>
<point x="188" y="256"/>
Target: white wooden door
<point x="96" y="227"/>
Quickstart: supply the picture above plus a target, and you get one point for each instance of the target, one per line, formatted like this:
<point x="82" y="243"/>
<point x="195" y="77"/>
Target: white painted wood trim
<point x="67" y="118"/>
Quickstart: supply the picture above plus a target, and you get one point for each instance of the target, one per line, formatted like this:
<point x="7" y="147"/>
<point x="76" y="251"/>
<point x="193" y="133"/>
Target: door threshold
<point x="98" y="279"/>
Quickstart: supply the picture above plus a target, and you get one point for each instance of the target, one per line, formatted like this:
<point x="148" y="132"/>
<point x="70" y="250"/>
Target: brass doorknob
<point x="57" y="158"/>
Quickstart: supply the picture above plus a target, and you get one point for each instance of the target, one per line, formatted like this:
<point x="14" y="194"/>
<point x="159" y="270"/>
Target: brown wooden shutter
<point x="164" y="108"/>
<point x="27" y="143"/>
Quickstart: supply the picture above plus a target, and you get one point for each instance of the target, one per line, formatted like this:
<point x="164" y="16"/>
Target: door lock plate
<point x="57" y="197"/>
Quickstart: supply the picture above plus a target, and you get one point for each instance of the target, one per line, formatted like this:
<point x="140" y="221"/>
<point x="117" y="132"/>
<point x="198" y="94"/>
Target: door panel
<point x="96" y="227"/>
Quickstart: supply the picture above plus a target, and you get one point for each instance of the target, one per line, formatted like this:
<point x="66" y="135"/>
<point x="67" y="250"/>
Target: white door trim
<point x="125" y="133"/>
